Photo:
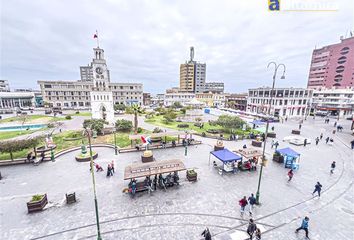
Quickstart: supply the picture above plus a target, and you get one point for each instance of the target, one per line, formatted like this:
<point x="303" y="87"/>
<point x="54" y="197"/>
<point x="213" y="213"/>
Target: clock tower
<point x="101" y="94"/>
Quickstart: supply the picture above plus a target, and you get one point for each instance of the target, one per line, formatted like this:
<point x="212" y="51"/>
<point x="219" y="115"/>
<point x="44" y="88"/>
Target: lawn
<point x="32" y="119"/>
<point x="83" y="114"/>
<point x="12" y="134"/>
<point x="158" y="121"/>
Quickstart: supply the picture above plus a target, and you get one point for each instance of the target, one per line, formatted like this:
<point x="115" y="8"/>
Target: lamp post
<point x="276" y="67"/>
<point x="94" y="185"/>
<point x="115" y="142"/>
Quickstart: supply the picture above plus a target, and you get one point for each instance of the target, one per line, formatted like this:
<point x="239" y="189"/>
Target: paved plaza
<point x="183" y="212"/>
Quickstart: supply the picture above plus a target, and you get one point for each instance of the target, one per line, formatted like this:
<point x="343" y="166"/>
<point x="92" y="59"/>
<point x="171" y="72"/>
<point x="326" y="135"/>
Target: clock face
<point x="99" y="70"/>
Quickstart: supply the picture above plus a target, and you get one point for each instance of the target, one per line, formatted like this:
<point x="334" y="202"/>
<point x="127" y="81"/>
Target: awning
<point x="226" y="155"/>
<point x="139" y="170"/>
<point x="288" y="152"/>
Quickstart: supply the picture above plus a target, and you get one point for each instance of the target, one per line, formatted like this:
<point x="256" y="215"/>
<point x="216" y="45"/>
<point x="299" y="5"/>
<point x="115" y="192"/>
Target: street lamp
<point x="276" y="67"/>
<point x="94" y="185"/>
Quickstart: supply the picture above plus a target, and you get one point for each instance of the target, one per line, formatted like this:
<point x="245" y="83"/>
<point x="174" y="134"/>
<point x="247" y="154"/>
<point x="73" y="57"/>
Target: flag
<point x="95" y="35"/>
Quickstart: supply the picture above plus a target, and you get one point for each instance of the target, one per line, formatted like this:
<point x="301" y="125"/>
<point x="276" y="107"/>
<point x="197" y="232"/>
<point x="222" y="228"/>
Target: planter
<point x="86" y="158"/>
<point x="192" y="175"/>
<point x="70" y="198"/>
<point x="297" y="132"/>
<point x="278" y="158"/>
<point x="35" y="206"/>
<point x="272" y="135"/>
<point x="256" y="143"/>
<point x="217" y="148"/>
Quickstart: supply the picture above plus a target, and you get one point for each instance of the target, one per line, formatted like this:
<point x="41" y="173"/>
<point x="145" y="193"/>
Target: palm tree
<point x="136" y="109"/>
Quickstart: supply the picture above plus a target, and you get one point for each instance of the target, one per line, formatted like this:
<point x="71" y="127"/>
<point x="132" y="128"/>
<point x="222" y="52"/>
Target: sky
<point x="146" y="41"/>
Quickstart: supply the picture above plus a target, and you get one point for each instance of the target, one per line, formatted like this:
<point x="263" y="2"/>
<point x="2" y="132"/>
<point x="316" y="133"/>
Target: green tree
<point x="169" y="116"/>
<point x="119" y="107"/>
<point x="136" y="109"/>
<point x="11" y="146"/>
<point x="123" y="125"/>
<point x="176" y="105"/>
<point x="94" y="124"/>
<point x="230" y="122"/>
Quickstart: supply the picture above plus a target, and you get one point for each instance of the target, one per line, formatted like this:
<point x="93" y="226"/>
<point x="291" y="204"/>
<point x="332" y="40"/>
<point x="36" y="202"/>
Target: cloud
<point x="145" y="41"/>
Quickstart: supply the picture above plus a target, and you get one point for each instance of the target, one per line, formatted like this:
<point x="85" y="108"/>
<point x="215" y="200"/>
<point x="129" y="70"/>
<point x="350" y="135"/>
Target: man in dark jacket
<point x="318" y="188"/>
<point x="251" y="228"/>
<point x="252" y="202"/>
<point x="206" y="234"/>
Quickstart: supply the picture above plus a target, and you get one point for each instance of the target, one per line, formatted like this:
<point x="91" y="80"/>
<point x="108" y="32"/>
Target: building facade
<point x="214" y="87"/>
<point x="13" y="100"/>
<point x="4" y="86"/>
<point x="333" y="65"/>
<point x="335" y="102"/>
<point x="237" y="101"/>
<point x="286" y="101"/>
<point x="146" y="99"/>
<point x="183" y="98"/>
<point x="192" y="75"/>
<point x="77" y="94"/>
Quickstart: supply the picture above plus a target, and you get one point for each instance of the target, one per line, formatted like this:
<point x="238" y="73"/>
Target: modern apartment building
<point x="192" y="75"/>
<point x="4" y="86"/>
<point x="333" y="65"/>
<point x="286" y="101"/>
<point x="337" y="102"/>
<point x="77" y="94"/>
<point x="214" y="87"/>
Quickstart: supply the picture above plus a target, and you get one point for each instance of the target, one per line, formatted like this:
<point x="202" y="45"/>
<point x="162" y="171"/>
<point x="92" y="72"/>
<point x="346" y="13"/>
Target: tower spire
<point x="192" y="53"/>
<point x="96" y="36"/>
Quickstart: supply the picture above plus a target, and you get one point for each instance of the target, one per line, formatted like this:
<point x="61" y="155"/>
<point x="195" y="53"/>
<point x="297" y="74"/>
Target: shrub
<point x="36" y="197"/>
<point x="77" y="112"/>
<point x="94" y="124"/>
<point x="214" y="131"/>
<point x="50" y="125"/>
<point x="123" y="125"/>
<point x="169" y="116"/>
<point x="68" y="117"/>
<point x="140" y="130"/>
<point x="183" y="125"/>
<point x="157" y="130"/>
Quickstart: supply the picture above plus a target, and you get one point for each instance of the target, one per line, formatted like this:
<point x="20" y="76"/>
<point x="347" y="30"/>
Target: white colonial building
<point x="337" y="102"/>
<point x="181" y="97"/>
<point x="286" y="101"/>
<point x="94" y="84"/>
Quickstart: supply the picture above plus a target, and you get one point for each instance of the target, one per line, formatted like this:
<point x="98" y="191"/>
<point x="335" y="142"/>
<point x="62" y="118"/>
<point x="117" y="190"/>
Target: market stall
<point x="291" y="158"/>
<point x="229" y="159"/>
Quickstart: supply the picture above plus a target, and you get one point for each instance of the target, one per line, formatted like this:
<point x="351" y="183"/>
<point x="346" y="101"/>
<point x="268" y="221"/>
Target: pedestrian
<point x="251" y="228"/>
<point x="321" y="136"/>
<point x="305" y="142"/>
<point x="317" y="140"/>
<point x="109" y="173"/>
<point x="272" y="128"/>
<point x="286" y="118"/>
<point x="333" y="166"/>
<point x="290" y="175"/>
<point x="276" y="144"/>
<point x="334" y="131"/>
<point x="327" y="139"/>
<point x="206" y="234"/>
<point x="300" y="126"/>
<point x="243" y="203"/>
<point x="252" y="202"/>
<point x="112" y="166"/>
<point x="335" y="124"/>
<point x="318" y="188"/>
<point x="304" y="226"/>
<point x="98" y="168"/>
<point x="352" y="143"/>
<point x="155" y="182"/>
<point x="245" y="146"/>
<point x="272" y="143"/>
<point x="258" y="234"/>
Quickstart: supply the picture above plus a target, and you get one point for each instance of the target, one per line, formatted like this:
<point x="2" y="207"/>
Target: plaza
<point x="183" y="212"/>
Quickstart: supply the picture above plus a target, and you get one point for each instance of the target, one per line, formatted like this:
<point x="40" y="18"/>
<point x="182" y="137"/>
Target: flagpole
<point x="98" y="44"/>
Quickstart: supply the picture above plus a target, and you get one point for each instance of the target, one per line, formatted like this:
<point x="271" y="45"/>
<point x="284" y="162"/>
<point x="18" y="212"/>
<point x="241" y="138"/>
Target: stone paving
<point x="183" y="212"/>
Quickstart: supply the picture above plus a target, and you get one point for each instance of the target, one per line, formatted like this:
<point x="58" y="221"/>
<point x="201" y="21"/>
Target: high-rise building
<point x="192" y="75"/>
<point x="333" y="65"/>
<point x="214" y="87"/>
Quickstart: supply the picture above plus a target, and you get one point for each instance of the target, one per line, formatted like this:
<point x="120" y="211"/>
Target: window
<point x="47" y="86"/>
<point x="340" y="69"/>
<point x="342" y="60"/>
<point x="344" y="50"/>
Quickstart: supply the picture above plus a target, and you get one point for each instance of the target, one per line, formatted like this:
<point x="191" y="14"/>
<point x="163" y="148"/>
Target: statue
<point x="192" y="53"/>
<point x="83" y="148"/>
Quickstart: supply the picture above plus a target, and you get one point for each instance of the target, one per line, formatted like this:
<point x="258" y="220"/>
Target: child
<point x="258" y="234"/>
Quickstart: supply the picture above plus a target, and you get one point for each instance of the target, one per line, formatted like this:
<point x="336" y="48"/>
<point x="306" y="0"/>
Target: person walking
<point x="335" y="124"/>
<point x="206" y="234"/>
<point x="276" y="144"/>
<point x="258" y="234"/>
<point x="109" y="171"/>
<point x="318" y="188"/>
<point x="300" y="126"/>
<point x="305" y="142"/>
<point x="327" y="139"/>
<point x="352" y="143"/>
<point x="243" y="203"/>
<point x="272" y="128"/>
<point x="317" y="140"/>
<point x="321" y="136"/>
<point x="252" y="202"/>
<point x="304" y="226"/>
<point x="112" y="167"/>
<point x="333" y="166"/>
<point x="290" y="175"/>
<point x="251" y="228"/>
<point x="272" y="144"/>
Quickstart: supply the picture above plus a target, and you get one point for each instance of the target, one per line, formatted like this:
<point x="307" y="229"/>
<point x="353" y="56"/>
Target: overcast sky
<point x="145" y="41"/>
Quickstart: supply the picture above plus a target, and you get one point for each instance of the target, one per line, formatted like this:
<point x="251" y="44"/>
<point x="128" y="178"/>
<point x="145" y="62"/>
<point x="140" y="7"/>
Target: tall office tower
<point x="333" y="65"/>
<point x="192" y="75"/>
